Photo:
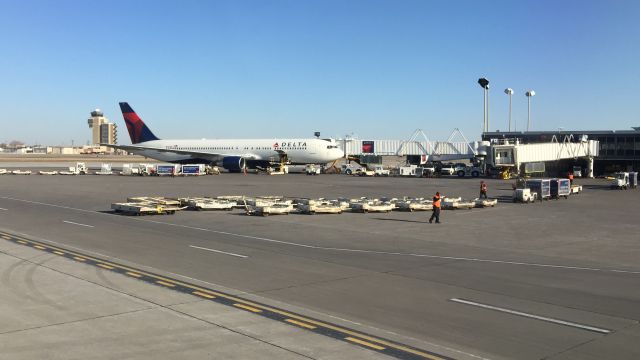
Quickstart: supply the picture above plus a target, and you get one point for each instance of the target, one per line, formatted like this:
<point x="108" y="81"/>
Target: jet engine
<point x="234" y="163"/>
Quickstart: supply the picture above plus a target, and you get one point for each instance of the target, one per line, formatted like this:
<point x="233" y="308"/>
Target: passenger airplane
<point x="231" y="154"/>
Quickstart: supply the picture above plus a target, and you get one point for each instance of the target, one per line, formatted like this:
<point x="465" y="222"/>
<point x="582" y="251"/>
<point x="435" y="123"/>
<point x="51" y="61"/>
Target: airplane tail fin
<point x="138" y="130"/>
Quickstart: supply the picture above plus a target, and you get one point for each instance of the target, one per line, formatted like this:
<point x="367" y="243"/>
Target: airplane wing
<point x="196" y="154"/>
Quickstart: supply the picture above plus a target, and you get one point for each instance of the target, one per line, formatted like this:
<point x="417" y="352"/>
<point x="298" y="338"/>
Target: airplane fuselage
<point x="298" y="151"/>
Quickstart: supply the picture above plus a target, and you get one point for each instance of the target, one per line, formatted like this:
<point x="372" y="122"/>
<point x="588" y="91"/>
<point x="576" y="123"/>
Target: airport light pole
<point x="529" y="95"/>
<point x="484" y="83"/>
<point x="509" y="91"/>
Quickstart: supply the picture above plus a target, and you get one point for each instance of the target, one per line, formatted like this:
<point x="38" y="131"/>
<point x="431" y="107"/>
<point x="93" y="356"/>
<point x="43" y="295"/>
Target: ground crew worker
<point x="436" y="209"/>
<point x="483" y="189"/>
<point x="571" y="177"/>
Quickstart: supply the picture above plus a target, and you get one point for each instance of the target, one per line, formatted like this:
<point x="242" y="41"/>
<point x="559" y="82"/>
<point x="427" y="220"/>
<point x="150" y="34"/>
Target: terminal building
<point x="102" y="130"/>
<point x="619" y="150"/>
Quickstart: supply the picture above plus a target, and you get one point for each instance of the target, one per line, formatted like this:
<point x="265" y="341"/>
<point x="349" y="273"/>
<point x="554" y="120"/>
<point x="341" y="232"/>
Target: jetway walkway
<point x="511" y="153"/>
<point x="503" y="153"/>
<point x="417" y="145"/>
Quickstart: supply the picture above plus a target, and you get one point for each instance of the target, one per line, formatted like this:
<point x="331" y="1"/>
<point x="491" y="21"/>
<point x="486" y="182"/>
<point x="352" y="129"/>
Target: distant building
<point x="102" y="131"/>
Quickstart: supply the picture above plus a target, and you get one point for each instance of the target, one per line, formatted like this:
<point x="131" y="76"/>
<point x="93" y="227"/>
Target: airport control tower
<point x="103" y="131"/>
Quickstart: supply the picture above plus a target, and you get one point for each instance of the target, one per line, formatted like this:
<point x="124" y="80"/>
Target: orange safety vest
<point x="483" y="187"/>
<point x="436" y="201"/>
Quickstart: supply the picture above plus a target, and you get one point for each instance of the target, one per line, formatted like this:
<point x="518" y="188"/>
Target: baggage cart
<point x="414" y="205"/>
<point x="560" y="188"/>
<point x="486" y="202"/>
<point x="524" y="195"/>
<point x="139" y="209"/>
<point x="21" y="172"/>
<point x="272" y="209"/>
<point x="193" y="170"/>
<point x="201" y="204"/>
<point x="167" y="170"/>
<point x="447" y="204"/>
<point x="319" y="207"/>
<point x="540" y="186"/>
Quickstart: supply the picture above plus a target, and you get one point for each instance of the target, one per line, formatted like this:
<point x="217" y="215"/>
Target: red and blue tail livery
<point x="138" y="130"/>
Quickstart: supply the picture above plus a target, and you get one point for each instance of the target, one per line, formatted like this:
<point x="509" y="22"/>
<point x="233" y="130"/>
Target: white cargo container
<point x="194" y="170"/>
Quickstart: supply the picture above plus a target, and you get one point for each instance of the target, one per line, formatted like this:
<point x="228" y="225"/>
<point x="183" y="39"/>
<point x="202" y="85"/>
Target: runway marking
<point x="396" y="253"/>
<point x="342" y="249"/>
<point x="218" y="251"/>
<point x="39" y="247"/>
<point x="105" y="266"/>
<point x="75" y="223"/>
<point x="532" y="316"/>
<point x="135" y="275"/>
<point x="391" y="348"/>
<point x="58" y="252"/>
<point x="246" y="307"/>
<point x="365" y="343"/>
<point x="4" y="209"/>
<point x="165" y="283"/>
<point x="22" y="242"/>
<point x="6" y="237"/>
<point x="200" y="293"/>
<point x="300" y="323"/>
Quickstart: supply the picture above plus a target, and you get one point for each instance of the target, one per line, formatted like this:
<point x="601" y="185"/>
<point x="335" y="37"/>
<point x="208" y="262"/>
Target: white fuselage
<point x="298" y="151"/>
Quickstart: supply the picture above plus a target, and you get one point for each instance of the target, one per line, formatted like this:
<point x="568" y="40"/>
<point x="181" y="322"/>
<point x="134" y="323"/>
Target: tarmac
<point x="554" y="280"/>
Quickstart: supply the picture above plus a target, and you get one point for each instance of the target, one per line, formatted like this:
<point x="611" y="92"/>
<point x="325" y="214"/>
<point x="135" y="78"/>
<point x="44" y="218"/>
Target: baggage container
<point x="193" y="170"/>
<point x="560" y="188"/>
<point x="105" y="169"/>
<point x="129" y="169"/>
<point x="540" y="186"/>
<point x="633" y="180"/>
<point x="167" y="170"/>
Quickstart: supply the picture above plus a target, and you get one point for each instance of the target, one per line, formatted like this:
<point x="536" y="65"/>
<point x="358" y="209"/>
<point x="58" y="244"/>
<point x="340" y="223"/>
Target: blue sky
<point x="375" y="69"/>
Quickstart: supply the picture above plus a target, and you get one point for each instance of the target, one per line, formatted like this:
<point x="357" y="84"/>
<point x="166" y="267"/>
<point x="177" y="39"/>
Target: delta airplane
<point x="232" y="154"/>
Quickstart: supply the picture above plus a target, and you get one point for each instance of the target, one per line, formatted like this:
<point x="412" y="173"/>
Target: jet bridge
<point x="499" y="153"/>
<point x="417" y="145"/>
<point x="512" y="153"/>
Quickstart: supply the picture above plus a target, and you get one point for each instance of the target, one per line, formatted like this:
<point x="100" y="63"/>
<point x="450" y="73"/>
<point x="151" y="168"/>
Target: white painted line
<point x="532" y="316"/>
<point x="4" y="209"/>
<point x="218" y="251"/>
<point x="569" y="267"/>
<point x="75" y="223"/>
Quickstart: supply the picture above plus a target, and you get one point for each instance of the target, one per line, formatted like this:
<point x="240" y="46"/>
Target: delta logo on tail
<point x="138" y="131"/>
